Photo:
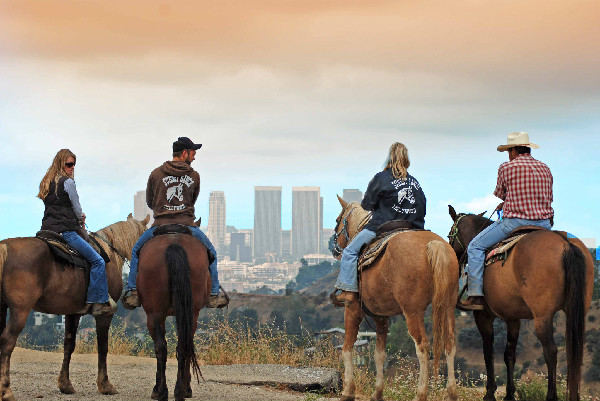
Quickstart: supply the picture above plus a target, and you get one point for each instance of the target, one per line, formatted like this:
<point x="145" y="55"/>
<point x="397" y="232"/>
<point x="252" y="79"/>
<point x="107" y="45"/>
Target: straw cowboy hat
<point x="517" y="139"/>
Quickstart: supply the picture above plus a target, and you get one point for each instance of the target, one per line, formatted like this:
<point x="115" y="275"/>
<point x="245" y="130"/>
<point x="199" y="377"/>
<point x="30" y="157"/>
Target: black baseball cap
<point x="182" y="143"/>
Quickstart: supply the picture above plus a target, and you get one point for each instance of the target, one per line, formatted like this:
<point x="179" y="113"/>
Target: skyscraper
<point x="216" y="220"/>
<point x="352" y="195"/>
<point x="140" y="209"/>
<point x="306" y="220"/>
<point x="267" y="221"/>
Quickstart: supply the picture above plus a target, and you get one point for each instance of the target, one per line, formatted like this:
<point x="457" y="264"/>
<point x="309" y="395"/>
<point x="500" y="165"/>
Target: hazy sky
<point x="297" y="93"/>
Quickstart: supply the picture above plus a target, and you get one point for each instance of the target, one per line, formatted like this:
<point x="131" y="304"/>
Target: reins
<point x="115" y="250"/>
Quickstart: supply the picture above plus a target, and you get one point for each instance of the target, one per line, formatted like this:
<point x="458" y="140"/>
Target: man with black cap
<point x="171" y="193"/>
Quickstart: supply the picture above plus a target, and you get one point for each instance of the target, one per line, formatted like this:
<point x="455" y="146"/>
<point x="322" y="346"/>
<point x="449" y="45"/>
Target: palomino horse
<point x="546" y="272"/>
<point x="32" y="279"/>
<point x="418" y="268"/>
<point x="173" y="280"/>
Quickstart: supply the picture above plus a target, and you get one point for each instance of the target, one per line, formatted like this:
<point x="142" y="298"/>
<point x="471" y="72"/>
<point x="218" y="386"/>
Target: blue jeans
<point x="493" y="234"/>
<point x="147" y="236"/>
<point x="348" y="278"/>
<point x="98" y="288"/>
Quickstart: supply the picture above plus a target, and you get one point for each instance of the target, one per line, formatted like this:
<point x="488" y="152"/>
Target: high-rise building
<point x="267" y="222"/>
<point x="140" y="209"/>
<point x="216" y="220"/>
<point x="286" y="243"/>
<point x="239" y="249"/>
<point x="306" y="220"/>
<point x="352" y="195"/>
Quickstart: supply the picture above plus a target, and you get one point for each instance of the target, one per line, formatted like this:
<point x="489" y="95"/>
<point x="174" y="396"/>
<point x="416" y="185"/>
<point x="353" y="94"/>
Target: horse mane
<point x="122" y="235"/>
<point x="360" y="216"/>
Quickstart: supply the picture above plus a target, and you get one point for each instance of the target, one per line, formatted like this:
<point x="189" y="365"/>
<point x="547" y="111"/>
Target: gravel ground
<point x="34" y="376"/>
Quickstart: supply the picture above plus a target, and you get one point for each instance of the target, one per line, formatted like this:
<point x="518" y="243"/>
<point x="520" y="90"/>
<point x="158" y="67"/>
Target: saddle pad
<point x="65" y="254"/>
<point x="376" y="247"/>
<point x="502" y="249"/>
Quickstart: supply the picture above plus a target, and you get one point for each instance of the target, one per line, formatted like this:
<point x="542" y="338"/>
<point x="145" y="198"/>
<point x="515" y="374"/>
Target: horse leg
<point x="451" y="388"/>
<point x="543" y="331"/>
<point x="8" y="340"/>
<point x="71" y="325"/>
<point x="485" y="325"/>
<point x="3" y="310"/>
<point x="352" y="319"/>
<point x="415" y="323"/>
<point x="156" y="327"/>
<point x="512" y="337"/>
<point x="381" y="327"/>
<point x="102" y="327"/>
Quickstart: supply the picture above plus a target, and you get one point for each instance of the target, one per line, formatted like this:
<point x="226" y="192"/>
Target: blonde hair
<point x="55" y="172"/>
<point x="397" y="160"/>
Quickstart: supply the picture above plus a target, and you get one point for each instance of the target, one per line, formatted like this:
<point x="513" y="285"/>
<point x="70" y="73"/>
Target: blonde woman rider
<point x="392" y="194"/>
<point x="63" y="215"/>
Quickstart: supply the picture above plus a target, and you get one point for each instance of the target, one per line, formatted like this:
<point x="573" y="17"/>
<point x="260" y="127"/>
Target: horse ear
<point x="482" y="213"/>
<point x="146" y="220"/>
<point x="342" y="202"/>
<point x="452" y="212"/>
<point x="198" y="222"/>
<point x="130" y="216"/>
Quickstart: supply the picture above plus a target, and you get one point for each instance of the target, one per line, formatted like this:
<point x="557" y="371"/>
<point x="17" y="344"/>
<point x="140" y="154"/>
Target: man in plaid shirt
<point x="525" y="186"/>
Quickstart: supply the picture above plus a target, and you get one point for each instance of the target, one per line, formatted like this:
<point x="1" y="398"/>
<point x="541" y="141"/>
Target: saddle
<point x="177" y="229"/>
<point x="502" y="249"/>
<point x="65" y="254"/>
<point x="383" y="234"/>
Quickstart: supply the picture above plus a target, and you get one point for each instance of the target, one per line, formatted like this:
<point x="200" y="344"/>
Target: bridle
<point x="453" y="236"/>
<point x="337" y="249"/>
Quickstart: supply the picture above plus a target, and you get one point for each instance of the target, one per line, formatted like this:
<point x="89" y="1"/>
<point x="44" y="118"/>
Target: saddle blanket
<point x="377" y="246"/>
<point x="502" y="249"/>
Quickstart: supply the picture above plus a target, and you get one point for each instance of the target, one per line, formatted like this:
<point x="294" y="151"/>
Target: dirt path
<point x="34" y="375"/>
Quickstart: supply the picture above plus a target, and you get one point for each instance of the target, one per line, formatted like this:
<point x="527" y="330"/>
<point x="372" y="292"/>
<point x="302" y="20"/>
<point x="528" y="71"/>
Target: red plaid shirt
<point x="525" y="186"/>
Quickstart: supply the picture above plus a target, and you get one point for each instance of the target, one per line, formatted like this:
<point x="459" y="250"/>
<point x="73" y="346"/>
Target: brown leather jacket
<point x="171" y="193"/>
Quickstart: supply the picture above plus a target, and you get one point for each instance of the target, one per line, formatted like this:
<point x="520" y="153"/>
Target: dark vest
<point x="59" y="215"/>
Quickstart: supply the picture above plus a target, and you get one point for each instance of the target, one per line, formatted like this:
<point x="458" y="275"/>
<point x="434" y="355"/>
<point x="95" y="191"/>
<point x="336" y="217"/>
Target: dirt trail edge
<point x="34" y="375"/>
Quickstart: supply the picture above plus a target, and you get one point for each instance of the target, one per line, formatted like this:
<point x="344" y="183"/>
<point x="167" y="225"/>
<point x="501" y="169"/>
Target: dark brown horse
<point x="173" y="280"/>
<point x="546" y="272"/>
<point x="417" y="269"/>
<point x="31" y="278"/>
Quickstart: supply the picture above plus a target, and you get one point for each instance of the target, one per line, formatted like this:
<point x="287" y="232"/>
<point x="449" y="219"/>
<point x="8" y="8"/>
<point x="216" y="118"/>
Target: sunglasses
<point x="70" y="164"/>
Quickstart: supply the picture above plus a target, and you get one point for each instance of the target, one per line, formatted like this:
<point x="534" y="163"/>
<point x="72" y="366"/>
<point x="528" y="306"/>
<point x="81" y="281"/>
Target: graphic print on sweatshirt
<point x="405" y="193"/>
<point x="175" y="189"/>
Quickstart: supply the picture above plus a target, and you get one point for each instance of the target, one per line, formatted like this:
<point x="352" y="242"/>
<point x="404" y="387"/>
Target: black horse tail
<point x="574" y="265"/>
<point x="181" y="295"/>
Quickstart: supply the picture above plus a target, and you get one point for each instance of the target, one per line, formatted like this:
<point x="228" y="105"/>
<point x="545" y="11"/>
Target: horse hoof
<point x="188" y="393"/>
<point x="67" y="389"/>
<point x="154" y="395"/>
<point x="107" y="389"/>
<point x="7" y="395"/>
<point x="347" y="398"/>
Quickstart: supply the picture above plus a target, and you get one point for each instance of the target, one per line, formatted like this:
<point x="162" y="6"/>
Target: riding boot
<point x="471" y="303"/>
<point x="106" y="308"/>
<point x="345" y="298"/>
<point x="218" y="301"/>
<point x="131" y="300"/>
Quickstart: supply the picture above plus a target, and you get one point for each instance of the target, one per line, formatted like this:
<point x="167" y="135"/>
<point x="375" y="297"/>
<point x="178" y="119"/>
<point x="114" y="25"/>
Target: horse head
<point x="348" y="224"/>
<point x="464" y="228"/>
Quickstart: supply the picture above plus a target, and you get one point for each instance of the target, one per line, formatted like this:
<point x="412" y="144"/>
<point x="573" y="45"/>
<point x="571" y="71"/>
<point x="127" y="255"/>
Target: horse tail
<point x="444" y="300"/>
<point x="574" y="265"/>
<point x="181" y="294"/>
<point x="3" y="257"/>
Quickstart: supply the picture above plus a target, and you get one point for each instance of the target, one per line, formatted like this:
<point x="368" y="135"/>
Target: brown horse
<point x="418" y="268"/>
<point x="31" y="278"/>
<point x="546" y="272"/>
<point x="173" y="280"/>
